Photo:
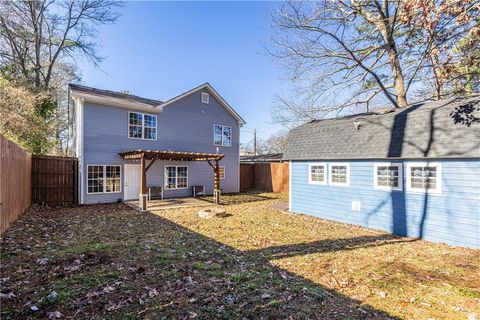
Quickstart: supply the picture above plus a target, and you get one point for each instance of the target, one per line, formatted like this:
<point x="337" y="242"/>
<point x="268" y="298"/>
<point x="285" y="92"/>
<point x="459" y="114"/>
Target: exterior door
<point x="131" y="181"/>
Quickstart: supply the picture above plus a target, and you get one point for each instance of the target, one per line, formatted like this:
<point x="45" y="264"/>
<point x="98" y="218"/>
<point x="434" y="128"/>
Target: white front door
<point x="131" y="181"/>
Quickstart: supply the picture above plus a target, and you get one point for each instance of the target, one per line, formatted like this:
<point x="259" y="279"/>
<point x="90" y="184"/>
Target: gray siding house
<point x="106" y="123"/>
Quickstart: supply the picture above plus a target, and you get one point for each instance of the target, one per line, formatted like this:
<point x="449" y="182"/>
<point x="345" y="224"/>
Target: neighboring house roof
<point x="220" y="99"/>
<point x="441" y="129"/>
<point x="274" y="157"/>
<point x="113" y="94"/>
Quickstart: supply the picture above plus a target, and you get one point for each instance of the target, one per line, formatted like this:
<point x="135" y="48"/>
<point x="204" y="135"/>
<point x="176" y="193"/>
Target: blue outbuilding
<point x="413" y="171"/>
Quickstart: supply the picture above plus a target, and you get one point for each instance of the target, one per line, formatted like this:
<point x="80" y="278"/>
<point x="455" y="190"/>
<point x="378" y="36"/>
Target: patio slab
<point x="171" y="203"/>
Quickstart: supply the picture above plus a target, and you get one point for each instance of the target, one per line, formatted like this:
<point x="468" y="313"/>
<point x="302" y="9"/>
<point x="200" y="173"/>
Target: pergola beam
<point x="164" y="155"/>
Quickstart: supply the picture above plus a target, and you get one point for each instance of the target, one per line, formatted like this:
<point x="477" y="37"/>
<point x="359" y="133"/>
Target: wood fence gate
<point x="54" y="180"/>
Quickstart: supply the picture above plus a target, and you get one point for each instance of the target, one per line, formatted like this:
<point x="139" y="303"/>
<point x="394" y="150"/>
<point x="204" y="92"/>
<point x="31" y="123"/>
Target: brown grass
<point x="109" y="261"/>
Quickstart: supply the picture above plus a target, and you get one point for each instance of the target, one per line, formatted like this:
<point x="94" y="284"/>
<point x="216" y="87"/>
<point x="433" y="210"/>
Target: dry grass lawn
<point x="109" y="261"/>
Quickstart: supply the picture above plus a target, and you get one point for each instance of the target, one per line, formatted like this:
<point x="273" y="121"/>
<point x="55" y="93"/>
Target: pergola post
<point x="216" y="184"/>
<point x="142" y="199"/>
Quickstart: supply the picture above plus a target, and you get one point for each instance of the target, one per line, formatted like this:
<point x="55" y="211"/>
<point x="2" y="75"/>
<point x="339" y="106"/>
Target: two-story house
<point x="109" y="127"/>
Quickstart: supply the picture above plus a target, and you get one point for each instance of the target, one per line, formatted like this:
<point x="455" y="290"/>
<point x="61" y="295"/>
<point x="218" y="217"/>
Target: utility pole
<point x="254" y="142"/>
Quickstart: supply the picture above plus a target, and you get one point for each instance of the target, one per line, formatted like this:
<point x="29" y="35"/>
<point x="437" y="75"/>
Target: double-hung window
<point x="176" y="177"/>
<point x="317" y="173"/>
<point x="222" y="135"/>
<point x="424" y="177"/>
<point x="388" y="176"/>
<point x="103" y="179"/>
<point x="142" y="126"/>
<point x="221" y="172"/>
<point x="340" y="174"/>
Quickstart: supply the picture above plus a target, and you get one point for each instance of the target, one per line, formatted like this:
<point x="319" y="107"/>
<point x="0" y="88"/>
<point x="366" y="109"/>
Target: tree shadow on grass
<point x="155" y="268"/>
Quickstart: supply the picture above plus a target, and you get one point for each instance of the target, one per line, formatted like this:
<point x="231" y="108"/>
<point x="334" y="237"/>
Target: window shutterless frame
<point x="317" y="164"/>
<point x="143" y="125"/>
<point x="104" y="178"/>
<point x="222" y="143"/>
<point x="165" y="177"/>
<point x="347" y="174"/>
<point x="438" y="177"/>
<point x="388" y="164"/>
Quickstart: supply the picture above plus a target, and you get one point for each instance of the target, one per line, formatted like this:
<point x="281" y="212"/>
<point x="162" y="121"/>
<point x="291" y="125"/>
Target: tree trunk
<point x="398" y="78"/>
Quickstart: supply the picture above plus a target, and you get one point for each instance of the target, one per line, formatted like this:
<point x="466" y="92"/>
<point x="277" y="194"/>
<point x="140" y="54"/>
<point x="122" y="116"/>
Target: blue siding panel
<point x="452" y="217"/>
<point x="185" y="125"/>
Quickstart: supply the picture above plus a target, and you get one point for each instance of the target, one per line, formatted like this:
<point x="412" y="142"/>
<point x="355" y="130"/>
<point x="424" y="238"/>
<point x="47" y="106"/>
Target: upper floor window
<point x="317" y="173"/>
<point x="142" y="126"/>
<point x="340" y="174"/>
<point x="205" y="97"/>
<point x="424" y="177"/>
<point x="222" y="135"/>
<point x="388" y="176"/>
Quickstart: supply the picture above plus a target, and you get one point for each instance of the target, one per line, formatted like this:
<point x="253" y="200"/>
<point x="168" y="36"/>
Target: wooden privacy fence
<point x="268" y="177"/>
<point x="54" y="180"/>
<point x="15" y="181"/>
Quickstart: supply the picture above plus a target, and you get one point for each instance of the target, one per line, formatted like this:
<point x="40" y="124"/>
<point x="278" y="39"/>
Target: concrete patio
<point x="163" y="204"/>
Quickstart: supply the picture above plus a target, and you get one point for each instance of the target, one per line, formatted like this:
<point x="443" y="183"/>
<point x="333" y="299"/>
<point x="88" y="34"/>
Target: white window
<point x="222" y="172"/>
<point x="222" y="135"/>
<point x="142" y="126"/>
<point x="387" y="176"/>
<point x="317" y="173"/>
<point x="339" y="174"/>
<point x="103" y="179"/>
<point x="424" y="177"/>
<point x="205" y="97"/>
<point x="176" y="177"/>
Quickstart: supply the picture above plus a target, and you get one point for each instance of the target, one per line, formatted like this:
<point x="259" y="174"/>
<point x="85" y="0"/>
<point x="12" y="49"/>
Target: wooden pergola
<point x="166" y="155"/>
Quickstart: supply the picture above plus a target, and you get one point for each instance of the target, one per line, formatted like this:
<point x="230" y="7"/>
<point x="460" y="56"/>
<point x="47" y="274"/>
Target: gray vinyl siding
<point x="186" y="125"/>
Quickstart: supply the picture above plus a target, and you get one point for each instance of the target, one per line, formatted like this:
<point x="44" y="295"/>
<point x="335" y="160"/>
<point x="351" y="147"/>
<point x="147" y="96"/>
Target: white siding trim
<point x="389" y="164"/>
<point x="290" y="163"/>
<point x="330" y="175"/>
<point x="438" y="165"/>
<point x="79" y="102"/>
<point x="325" y="171"/>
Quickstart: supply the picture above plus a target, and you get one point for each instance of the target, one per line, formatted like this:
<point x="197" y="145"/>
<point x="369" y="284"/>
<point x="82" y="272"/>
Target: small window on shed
<point x="424" y="177"/>
<point x="388" y="176"/>
<point x="340" y="174"/>
<point x="205" y="97"/>
<point x="317" y="173"/>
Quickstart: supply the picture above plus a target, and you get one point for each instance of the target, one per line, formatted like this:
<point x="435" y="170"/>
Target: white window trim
<point x="437" y="190"/>
<point x="104" y="177"/>
<point x="222" y="144"/>
<point x="206" y="96"/>
<point x="330" y="175"/>
<point x="389" y="164"/>
<point x="143" y="125"/>
<point x="325" y="173"/>
<point x="165" y="177"/>
<point x="223" y="173"/>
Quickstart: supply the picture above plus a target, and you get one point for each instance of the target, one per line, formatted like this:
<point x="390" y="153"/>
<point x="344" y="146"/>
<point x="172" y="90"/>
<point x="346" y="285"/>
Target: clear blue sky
<point x="161" y="49"/>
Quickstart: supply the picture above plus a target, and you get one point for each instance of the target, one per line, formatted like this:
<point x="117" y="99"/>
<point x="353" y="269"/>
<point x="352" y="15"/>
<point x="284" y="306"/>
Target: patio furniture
<point x="198" y="191"/>
<point x="155" y="192"/>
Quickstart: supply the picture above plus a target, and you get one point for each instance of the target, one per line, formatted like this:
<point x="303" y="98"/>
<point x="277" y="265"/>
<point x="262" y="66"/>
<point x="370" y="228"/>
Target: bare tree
<point x="37" y="35"/>
<point x="277" y="142"/>
<point x="346" y="54"/>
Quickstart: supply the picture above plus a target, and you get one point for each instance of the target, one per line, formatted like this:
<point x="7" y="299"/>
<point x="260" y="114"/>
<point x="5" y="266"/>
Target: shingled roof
<point x="441" y="129"/>
<point x="113" y="94"/>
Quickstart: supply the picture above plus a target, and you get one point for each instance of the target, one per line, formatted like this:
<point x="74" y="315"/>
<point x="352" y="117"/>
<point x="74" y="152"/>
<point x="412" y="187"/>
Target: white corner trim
<point x="325" y="171"/>
<point x="389" y="164"/>
<point x="437" y="190"/>
<point x="79" y="102"/>
<point x="290" y="186"/>
<point x="330" y="175"/>
<point x="214" y="93"/>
